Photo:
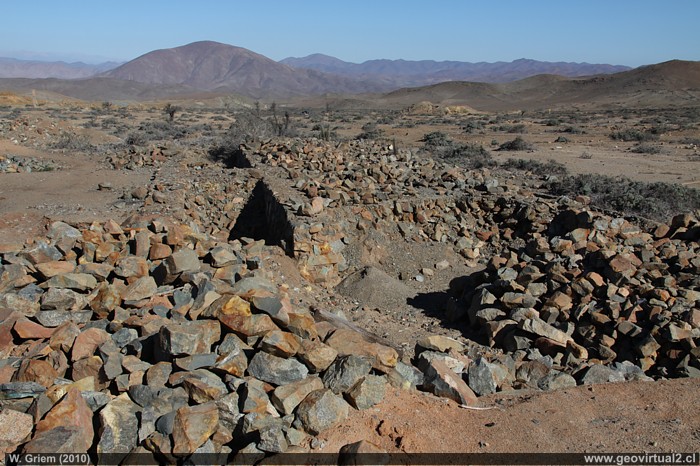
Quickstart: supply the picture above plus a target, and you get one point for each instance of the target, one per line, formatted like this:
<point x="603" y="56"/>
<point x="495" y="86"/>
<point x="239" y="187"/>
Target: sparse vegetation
<point x="72" y="142"/>
<point x="628" y="135"/>
<point x="468" y="155"/>
<point x="658" y="200"/>
<point x="551" y="167"/>
<point x="517" y="144"/>
<point x="517" y="128"/>
<point x="170" y="110"/>
<point x="370" y="131"/>
<point x="645" y="148"/>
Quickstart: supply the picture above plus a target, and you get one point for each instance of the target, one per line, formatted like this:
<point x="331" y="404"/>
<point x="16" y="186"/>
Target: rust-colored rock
<point x="71" y="411"/>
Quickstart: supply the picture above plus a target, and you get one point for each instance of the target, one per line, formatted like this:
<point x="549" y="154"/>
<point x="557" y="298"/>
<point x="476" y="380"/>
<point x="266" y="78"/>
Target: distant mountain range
<point x="211" y="65"/>
<point x="202" y="70"/>
<point x="14" y="68"/>
<point x="404" y="73"/>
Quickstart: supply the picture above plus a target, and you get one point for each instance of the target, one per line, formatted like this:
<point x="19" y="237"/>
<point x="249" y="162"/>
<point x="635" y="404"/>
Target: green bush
<point x="471" y="155"/>
<point x="370" y="131"/>
<point x="436" y="139"/>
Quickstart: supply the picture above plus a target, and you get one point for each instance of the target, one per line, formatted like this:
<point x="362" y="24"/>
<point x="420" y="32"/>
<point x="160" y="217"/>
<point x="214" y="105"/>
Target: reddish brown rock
<point x="28" y="330"/>
<point x="52" y="268"/>
<point x="192" y="427"/>
<point x="279" y="343"/>
<point x="108" y="297"/>
<point x="159" y="251"/>
<point x="64" y="336"/>
<point x="90" y="367"/>
<point x="287" y="397"/>
<point x="248" y="325"/>
<point x="142" y="288"/>
<point x="87" y="342"/>
<point x="347" y="342"/>
<point x="444" y="382"/>
<point x="36" y="370"/>
<point x="71" y="411"/>
<point x="317" y="355"/>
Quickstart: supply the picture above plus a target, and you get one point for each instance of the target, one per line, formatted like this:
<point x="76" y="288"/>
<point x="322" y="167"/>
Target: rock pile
<point x="592" y="290"/>
<point x="167" y="335"/>
<point x="170" y="343"/>
<point x="576" y="287"/>
<point x="17" y="164"/>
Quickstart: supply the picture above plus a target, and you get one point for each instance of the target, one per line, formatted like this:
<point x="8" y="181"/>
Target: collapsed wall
<point x="264" y="218"/>
<point x="563" y="283"/>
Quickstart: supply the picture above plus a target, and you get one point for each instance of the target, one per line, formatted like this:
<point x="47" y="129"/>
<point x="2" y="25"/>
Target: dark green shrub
<point x="573" y="130"/>
<point x="628" y="135"/>
<point x="73" y="142"/>
<point x="436" y="139"/>
<point x="644" y="148"/>
<point x="370" y="131"/>
<point x="517" y="144"/>
<point x="473" y="126"/>
<point x="551" y="167"/>
<point x="470" y="155"/>
<point x="659" y="200"/>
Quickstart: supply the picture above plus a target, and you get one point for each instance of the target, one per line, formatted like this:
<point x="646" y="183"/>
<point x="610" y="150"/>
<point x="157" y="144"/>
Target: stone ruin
<point x="168" y="335"/>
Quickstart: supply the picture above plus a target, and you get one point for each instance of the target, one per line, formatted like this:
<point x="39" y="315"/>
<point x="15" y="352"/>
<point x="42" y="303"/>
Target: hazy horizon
<point x="618" y="33"/>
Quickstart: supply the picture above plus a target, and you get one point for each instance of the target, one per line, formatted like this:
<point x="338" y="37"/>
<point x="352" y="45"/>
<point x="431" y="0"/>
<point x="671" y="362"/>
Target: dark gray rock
<point x="367" y="392"/>
<point x="345" y="372"/>
<point x="320" y="410"/>
<point x="601" y="374"/>
<point x="119" y="426"/>
<point x="483" y="377"/>
<point x="556" y="380"/>
<point x="275" y="370"/>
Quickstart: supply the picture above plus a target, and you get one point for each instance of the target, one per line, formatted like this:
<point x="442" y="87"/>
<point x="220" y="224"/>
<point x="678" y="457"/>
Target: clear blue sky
<point x="624" y="32"/>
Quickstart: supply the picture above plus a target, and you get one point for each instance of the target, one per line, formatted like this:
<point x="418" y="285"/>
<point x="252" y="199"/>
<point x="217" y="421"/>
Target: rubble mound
<point x="375" y="288"/>
<point x="175" y="332"/>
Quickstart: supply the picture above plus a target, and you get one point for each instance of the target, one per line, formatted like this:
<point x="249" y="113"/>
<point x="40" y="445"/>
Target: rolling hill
<point x="213" y="66"/>
<point x="674" y="82"/>
<point x="14" y="68"/>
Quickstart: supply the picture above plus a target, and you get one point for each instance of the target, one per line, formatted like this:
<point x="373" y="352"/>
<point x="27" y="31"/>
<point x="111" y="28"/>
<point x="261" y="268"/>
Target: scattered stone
<point x="347" y="342"/>
<point x="71" y="411"/>
<point x="556" y="380"/>
<point x="442" y="381"/>
<point x="352" y="453"/>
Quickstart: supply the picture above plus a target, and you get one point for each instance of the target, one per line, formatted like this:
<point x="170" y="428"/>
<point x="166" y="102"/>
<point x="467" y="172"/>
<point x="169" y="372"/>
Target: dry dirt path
<point x="632" y="417"/>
